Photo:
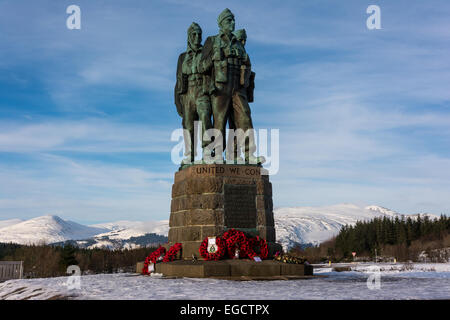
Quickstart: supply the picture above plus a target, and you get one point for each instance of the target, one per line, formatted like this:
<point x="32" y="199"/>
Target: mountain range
<point x="309" y="226"/>
<point x="294" y="225"/>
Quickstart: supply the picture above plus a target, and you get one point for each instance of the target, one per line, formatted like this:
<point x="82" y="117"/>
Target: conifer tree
<point x="68" y="256"/>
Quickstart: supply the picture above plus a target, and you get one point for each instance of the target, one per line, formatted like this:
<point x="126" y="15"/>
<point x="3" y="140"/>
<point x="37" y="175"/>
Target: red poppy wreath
<point x="152" y="258"/>
<point x="235" y="239"/>
<point x="257" y="242"/>
<point x="171" y="254"/>
<point x="219" y="249"/>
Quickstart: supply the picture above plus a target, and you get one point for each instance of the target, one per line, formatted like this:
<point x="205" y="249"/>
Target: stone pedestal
<point x="207" y="200"/>
<point x="235" y="270"/>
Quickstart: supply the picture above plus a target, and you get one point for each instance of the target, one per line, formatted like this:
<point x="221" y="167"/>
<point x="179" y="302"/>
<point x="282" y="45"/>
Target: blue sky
<point x="86" y="115"/>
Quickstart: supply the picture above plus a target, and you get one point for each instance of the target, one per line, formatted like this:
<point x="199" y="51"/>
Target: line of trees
<point x="51" y="261"/>
<point x="365" y="237"/>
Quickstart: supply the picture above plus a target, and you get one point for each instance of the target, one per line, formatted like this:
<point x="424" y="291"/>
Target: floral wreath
<point x="257" y="242"/>
<point x="173" y="250"/>
<point x="235" y="239"/>
<point x="152" y="258"/>
<point x="217" y="255"/>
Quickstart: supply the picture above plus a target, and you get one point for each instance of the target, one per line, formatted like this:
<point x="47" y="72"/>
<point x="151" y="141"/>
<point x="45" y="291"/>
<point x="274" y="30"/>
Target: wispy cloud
<point x="83" y="190"/>
<point x="363" y="115"/>
<point x="88" y="135"/>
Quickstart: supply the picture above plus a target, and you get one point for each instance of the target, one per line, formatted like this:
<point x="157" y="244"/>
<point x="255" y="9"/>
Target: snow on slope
<point x="127" y="229"/>
<point x="121" y="231"/>
<point x="51" y="229"/>
<point x="382" y="211"/>
<point x="295" y="225"/>
<point x="313" y="225"/>
<point x="10" y="222"/>
<point x="46" y="229"/>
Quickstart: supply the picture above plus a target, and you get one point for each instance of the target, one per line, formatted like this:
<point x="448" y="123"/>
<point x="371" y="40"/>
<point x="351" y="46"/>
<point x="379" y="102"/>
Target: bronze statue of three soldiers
<point x="216" y="80"/>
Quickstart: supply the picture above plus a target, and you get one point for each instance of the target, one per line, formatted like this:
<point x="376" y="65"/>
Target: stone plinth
<point x="207" y="200"/>
<point x="233" y="269"/>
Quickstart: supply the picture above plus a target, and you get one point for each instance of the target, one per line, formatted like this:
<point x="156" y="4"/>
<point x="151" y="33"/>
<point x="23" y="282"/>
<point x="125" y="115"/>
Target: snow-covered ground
<point x="421" y="282"/>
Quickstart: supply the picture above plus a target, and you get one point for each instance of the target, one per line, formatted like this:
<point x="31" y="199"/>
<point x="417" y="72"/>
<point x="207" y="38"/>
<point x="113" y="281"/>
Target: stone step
<point x="242" y="269"/>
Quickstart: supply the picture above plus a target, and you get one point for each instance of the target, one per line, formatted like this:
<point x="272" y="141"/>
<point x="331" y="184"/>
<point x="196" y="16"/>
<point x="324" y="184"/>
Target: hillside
<point x="46" y="229"/>
<point x="294" y="225"/>
<point x="312" y="225"/>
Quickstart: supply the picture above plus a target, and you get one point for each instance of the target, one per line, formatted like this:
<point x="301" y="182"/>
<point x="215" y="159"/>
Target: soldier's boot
<point x="255" y="160"/>
<point x="190" y="146"/>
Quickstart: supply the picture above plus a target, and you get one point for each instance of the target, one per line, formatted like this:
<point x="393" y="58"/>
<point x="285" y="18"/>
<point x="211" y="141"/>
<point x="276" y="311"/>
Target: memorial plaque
<point x="240" y="206"/>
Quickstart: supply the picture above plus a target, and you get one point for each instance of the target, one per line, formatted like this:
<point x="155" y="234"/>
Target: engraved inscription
<point x="240" y="206"/>
<point x="228" y="170"/>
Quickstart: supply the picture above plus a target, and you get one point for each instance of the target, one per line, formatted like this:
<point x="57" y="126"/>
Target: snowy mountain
<point x="113" y="235"/>
<point x="380" y="211"/>
<point x="127" y="229"/>
<point x="129" y="234"/>
<point x="114" y="243"/>
<point x="295" y="225"/>
<point x="46" y="229"/>
<point x="313" y="225"/>
<point x="10" y="222"/>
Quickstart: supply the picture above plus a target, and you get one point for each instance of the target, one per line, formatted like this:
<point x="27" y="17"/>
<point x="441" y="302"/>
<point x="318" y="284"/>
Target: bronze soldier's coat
<point x="225" y="59"/>
<point x="217" y="79"/>
<point x="191" y="98"/>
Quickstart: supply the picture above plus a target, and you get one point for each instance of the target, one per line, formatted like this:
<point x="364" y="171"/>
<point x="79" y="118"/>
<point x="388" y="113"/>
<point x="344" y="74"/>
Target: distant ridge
<point x="309" y="226"/>
<point x="46" y="229"/>
<point x="294" y="225"/>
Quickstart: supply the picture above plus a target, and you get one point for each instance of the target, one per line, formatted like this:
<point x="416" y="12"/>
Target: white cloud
<point x="363" y="116"/>
<point x="83" y="190"/>
<point x="87" y="135"/>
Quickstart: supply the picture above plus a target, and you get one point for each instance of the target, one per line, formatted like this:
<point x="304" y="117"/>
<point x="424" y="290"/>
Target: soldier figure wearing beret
<point x="224" y="59"/>
<point x="192" y="92"/>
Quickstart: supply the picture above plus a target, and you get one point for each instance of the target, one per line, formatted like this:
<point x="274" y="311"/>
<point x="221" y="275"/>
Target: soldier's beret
<point x="240" y="34"/>
<point x="192" y="27"/>
<point x="224" y="14"/>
